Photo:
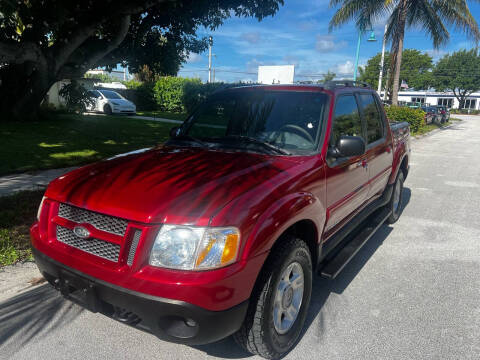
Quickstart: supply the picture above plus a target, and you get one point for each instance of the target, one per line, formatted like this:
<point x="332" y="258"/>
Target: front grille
<point x="102" y="222"/>
<point x="103" y="249"/>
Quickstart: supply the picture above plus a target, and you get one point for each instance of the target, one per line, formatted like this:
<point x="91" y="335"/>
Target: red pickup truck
<point x="220" y="230"/>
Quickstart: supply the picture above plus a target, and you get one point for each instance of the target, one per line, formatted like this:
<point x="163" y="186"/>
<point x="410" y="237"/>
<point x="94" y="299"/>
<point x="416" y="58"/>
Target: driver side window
<point x="346" y="119"/>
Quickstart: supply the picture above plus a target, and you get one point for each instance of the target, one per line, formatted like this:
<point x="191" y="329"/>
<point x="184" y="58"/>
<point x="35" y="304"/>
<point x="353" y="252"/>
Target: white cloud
<point x="194" y="58"/>
<point x="252" y="65"/>
<point x="327" y="43"/>
<point x="251" y="37"/>
<point x="345" y="68"/>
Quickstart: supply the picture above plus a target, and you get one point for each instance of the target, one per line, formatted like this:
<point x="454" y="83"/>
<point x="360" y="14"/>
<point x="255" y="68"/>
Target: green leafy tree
<point x="42" y="42"/>
<point x="104" y="78"/>
<point x="329" y="76"/>
<point x="433" y="16"/>
<point x="144" y="74"/>
<point x="416" y="69"/>
<point x="459" y="73"/>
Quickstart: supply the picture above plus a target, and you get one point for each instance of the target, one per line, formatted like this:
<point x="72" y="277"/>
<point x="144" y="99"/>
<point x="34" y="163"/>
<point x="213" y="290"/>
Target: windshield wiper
<point x="251" y="140"/>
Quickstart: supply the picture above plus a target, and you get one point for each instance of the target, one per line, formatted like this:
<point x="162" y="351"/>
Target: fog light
<point x="190" y="322"/>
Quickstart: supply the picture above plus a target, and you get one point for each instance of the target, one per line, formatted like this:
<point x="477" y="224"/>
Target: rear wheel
<point x="396" y="203"/>
<point x="107" y="109"/>
<point x="279" y="301"/>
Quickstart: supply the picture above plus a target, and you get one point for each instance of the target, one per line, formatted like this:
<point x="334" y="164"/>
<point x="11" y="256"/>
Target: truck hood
<point x="168" y="184"/>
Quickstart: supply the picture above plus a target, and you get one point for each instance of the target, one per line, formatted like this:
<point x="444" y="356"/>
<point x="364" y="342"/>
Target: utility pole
<point x="210" y="44"/>
<point x="382" y="61"/>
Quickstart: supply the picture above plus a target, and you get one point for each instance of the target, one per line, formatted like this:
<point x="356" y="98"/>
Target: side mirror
<point x="174" y="131"/>
<point x="348" y="146"/>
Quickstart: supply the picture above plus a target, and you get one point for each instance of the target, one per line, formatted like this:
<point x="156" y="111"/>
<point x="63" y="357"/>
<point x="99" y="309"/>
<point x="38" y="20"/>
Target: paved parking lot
<point x="413" y="292"/>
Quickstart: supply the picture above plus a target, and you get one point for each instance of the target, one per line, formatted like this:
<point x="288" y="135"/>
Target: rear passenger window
<point x="372" y="117"/>
<point x="346" y="119"/>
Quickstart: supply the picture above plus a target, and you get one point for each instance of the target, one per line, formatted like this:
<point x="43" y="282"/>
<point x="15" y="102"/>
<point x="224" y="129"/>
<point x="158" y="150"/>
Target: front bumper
<point x="171" y="320"/>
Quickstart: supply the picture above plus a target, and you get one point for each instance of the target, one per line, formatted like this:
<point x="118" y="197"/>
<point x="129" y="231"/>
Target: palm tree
<point x="433" y="16"/>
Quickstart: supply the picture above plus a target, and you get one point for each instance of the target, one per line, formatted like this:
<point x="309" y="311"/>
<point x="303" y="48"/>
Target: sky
<point x="298" y="34"/>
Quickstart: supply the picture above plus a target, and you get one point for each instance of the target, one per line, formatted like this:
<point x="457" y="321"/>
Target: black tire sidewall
<point x="107" y="109"/>
<point x="283" y="343"/>
<point x="396" y="215"/>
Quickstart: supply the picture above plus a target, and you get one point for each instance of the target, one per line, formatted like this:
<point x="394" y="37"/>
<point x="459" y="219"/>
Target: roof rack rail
<point x="305" y="82"/>
<point x="347" y="83"/>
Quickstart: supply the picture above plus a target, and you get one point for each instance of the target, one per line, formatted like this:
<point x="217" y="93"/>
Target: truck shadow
<point x="322" y="289"/>
<point x="34" y="313"/>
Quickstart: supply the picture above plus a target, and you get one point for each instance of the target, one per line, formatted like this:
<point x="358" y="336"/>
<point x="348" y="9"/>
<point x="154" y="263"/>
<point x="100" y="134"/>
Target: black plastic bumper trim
<point x="171" y="320"/>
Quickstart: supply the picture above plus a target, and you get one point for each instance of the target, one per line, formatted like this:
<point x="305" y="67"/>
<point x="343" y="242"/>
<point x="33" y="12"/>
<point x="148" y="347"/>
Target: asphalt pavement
<point x="413" y="291"/>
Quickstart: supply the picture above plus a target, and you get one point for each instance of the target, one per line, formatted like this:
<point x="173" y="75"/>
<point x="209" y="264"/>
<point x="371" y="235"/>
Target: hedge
<point x="169" y="91"/>
<point x="141" y="94"/>
<point x="172" y="94"/>
<point x="415" y="117"/>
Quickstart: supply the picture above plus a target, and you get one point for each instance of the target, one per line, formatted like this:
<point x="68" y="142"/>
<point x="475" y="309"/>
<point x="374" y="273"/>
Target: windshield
<point x="110" y="94"/>
<point x="287" y="120"/>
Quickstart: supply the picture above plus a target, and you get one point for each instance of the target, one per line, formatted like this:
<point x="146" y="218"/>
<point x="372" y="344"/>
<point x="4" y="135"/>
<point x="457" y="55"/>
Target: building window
<point x="470" y="104"/>
<point x="418" y="100"/>
<point x="445" y="102"/>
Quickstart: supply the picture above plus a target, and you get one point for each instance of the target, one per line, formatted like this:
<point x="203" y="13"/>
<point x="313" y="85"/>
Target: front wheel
<point x="279" y="301"/>
<point x="107" y="109"/>
<point x="396" y="202"/>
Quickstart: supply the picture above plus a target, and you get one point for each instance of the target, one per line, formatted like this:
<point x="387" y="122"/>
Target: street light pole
<point x="210" y="43"/>
<point x="382" y="61"/>
<point x="357" y="55"/>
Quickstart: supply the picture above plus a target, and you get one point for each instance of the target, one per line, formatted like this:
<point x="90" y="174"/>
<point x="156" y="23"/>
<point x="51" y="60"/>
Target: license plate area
<point x="79" y="291"/>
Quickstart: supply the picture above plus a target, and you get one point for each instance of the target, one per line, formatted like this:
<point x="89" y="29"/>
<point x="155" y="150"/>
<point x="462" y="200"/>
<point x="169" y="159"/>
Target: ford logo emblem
<point x="81" y="232"/>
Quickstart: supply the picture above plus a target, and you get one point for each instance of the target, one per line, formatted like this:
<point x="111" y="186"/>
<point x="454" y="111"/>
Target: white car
<point x="109" y="102"/>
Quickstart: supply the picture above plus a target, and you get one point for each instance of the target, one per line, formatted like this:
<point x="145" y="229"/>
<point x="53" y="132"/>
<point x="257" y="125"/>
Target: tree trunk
<point x="399" y="40"/>
<point x="23" y="87"/>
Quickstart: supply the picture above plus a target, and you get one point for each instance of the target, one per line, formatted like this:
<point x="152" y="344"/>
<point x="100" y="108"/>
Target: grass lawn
<point x="17" y="214"/>
<point x="69" y="140"/>
<point x="163" y="114"/>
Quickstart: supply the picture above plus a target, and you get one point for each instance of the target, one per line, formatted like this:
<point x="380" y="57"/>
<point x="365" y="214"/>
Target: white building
<point x="439" y="98"/>
<point x="120" y="75"/>
<point x="276" y="74"/>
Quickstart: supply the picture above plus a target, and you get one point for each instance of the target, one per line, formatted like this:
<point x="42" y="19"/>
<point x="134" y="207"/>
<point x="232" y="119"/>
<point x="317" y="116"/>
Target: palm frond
<point x="363" y="12"/>
<point x="422" y="14"/>
<point x="457" y="13"/>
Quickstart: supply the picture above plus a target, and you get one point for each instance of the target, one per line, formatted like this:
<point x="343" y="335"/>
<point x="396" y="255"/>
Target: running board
<point x="336" y="264"/>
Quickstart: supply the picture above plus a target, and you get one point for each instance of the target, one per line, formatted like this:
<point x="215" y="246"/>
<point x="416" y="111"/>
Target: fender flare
<point x="281" y="215"/>
<point x="398" y="160"/>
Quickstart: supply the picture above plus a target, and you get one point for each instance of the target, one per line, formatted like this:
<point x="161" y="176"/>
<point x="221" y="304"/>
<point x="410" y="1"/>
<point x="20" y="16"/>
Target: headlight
<point x="39" y="211"/>
<point x="194" y="248"/>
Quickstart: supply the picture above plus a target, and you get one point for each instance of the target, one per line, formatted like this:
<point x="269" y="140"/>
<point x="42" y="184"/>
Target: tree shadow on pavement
<point x="33" y="313"/>
<point x="322" y="288"/>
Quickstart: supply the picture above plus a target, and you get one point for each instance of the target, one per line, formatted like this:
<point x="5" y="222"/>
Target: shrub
<point x="415" y="117"/>
<point x="195" y="92"/>
<point x="141" y="94"/>
<point x="132" y="84"/>
<point x="168" y="92"/>
<point x="75" y="95"/>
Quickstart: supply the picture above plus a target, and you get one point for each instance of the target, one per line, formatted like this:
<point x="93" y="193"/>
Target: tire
<point x="396" y="202"/>
<point x="107" y="109"/>
<point x="266" y="331"/>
